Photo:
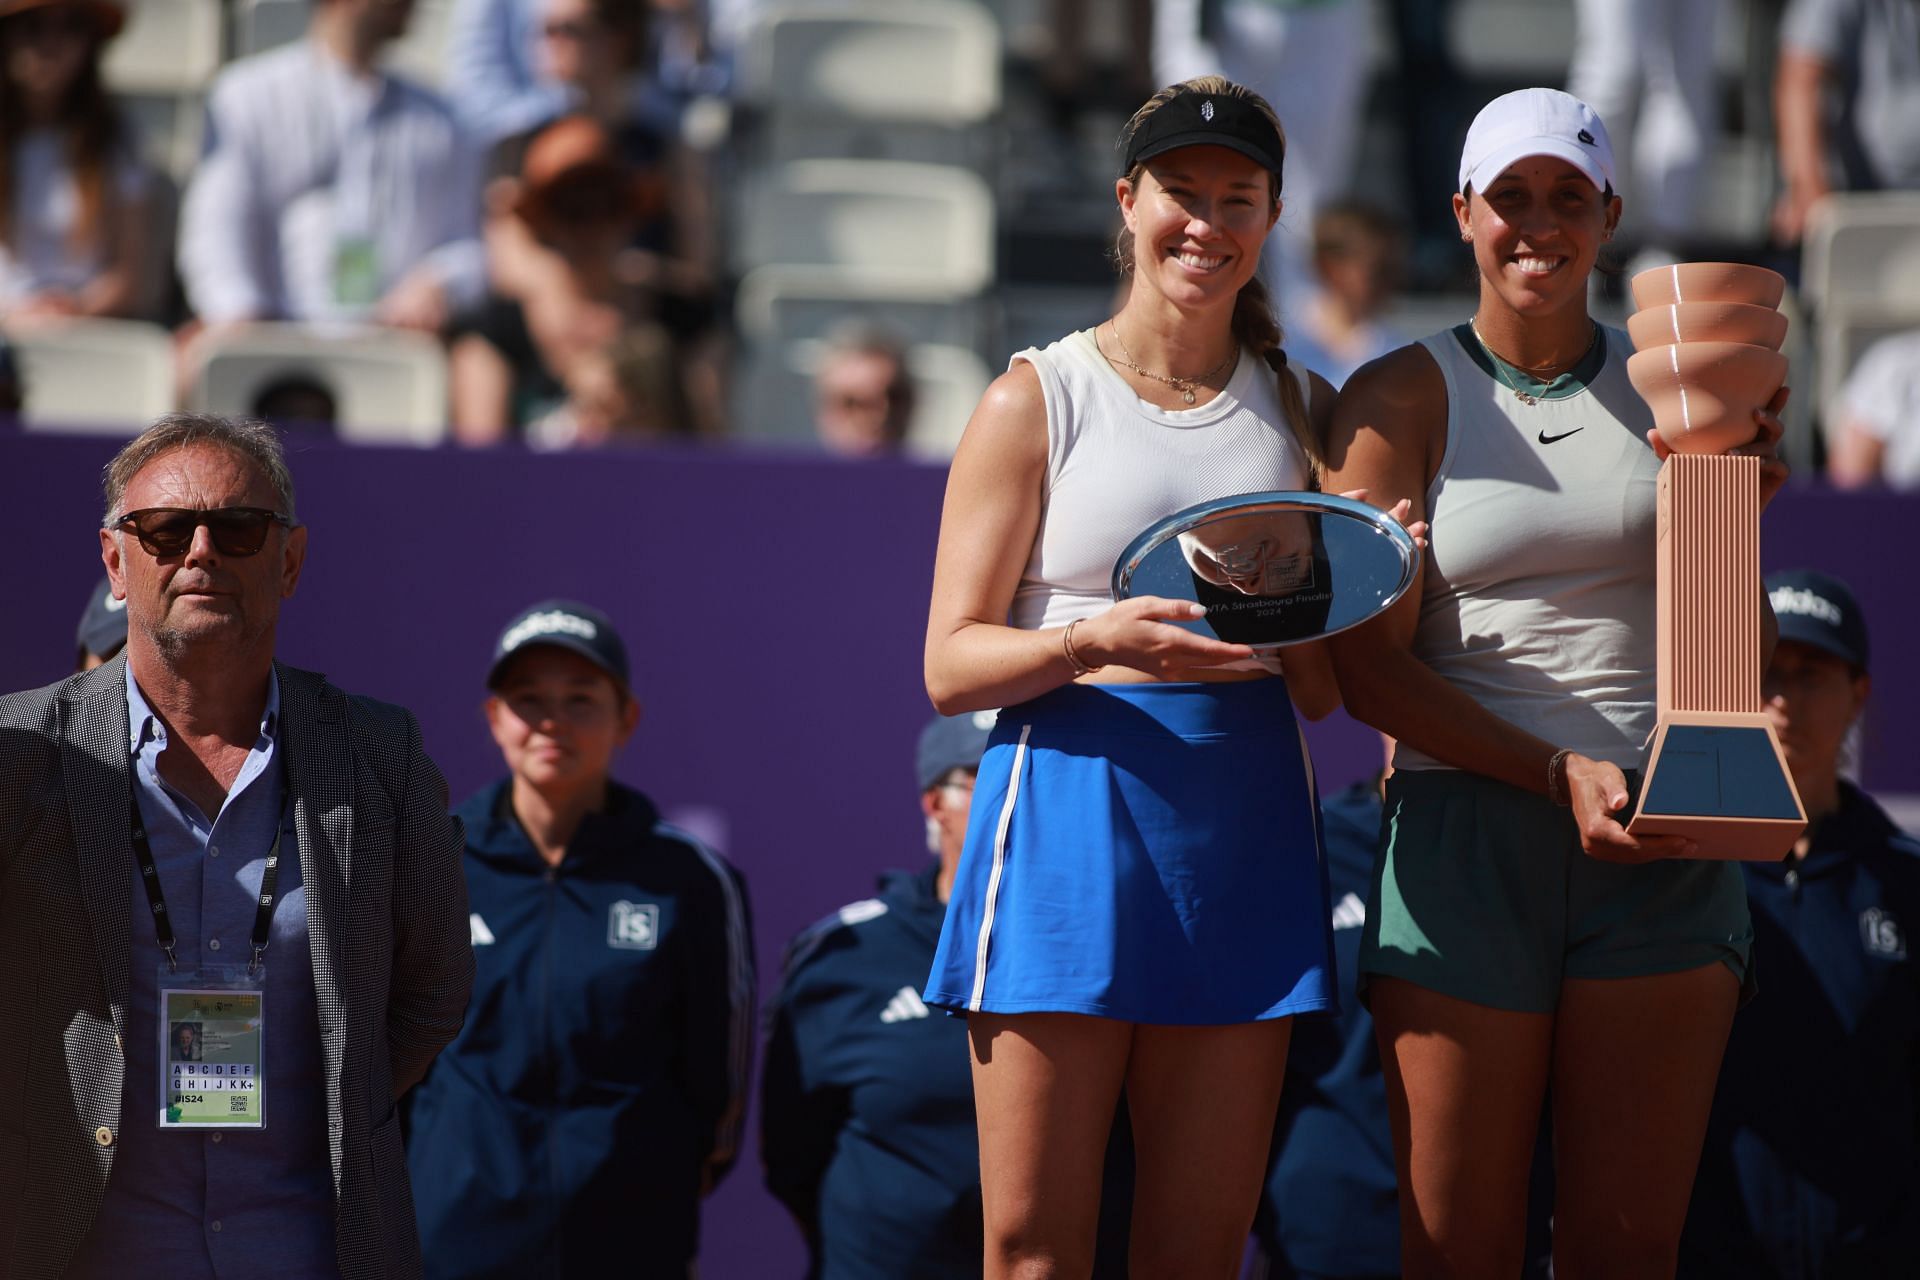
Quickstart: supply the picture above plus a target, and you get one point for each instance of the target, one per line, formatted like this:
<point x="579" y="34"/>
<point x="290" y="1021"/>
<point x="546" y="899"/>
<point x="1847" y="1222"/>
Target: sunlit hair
<point x="90" y="132"/>
<point x="255" y="442"/>
<point x="1254" y="323"/>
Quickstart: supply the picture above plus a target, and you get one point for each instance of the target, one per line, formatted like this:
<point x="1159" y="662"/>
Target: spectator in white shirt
<point x="1873" y="432"/>
<point x="332" y="191"/>
<point x="72" y="191"/>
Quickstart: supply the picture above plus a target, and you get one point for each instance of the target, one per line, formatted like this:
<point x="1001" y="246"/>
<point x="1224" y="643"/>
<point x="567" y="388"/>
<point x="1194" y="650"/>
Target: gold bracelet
<point x="1073" y="659"/>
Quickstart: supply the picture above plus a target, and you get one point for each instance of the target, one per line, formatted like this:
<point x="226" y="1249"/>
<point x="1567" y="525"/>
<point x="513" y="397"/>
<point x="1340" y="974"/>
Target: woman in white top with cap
<point x="1141" y="902"/>
<point x="1519" y="942"/>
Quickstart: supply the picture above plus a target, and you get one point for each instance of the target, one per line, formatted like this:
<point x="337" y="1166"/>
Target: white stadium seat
<point x="167" y="46"/>
<point x="1862" y="247"/>
<point x="110" y="377"/>
<point x="930" y="61"/>
<point x="389" y="386"/>
<point x="915" y="222"/>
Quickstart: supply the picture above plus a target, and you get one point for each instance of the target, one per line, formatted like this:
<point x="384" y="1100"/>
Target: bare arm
<point x="1388" y="434"/>
<point x="1856" y="455"/>
<point x="1799" y="84"/>
<point x="987" y="530"/>
<point x="121" y="287"/>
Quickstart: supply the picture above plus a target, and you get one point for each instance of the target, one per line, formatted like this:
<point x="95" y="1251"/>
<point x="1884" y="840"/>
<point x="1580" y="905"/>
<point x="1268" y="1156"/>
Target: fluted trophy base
<point x="1719" y="779"/>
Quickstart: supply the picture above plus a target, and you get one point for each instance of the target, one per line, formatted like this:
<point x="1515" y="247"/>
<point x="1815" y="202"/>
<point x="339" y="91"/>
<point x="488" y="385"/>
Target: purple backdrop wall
<point x="774" y="607"/>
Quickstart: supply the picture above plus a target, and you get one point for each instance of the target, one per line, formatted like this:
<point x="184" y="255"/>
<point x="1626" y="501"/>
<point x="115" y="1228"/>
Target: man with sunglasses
<point x="194" y="832"/>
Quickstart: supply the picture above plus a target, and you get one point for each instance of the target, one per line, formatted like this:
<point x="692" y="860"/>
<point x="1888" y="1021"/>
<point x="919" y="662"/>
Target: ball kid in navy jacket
<point x="600" y="1077"/>
<point x="1812" y="1160"/>
<point x="595" y="1093"/>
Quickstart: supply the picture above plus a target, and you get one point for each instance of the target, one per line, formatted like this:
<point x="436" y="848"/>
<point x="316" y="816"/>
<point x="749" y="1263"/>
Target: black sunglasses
<point x="168" y="531"/>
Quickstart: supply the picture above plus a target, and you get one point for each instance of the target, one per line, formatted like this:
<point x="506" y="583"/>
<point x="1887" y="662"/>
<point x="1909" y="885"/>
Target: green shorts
<point x="1482" y="892"/>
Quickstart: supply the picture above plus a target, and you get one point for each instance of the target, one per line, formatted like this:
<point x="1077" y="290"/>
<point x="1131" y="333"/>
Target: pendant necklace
<point x="1499" y="372"/>
<point x="1185" y="386"/>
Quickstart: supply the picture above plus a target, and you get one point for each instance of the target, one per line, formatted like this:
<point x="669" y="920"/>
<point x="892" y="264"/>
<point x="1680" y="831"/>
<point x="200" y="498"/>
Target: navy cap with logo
<point x="103" y="627"/>
<point x="1818" y="609"/>
<point x="562" y="624"/>
<point x="1194" y="119"/>
<point x="952" y="742"/>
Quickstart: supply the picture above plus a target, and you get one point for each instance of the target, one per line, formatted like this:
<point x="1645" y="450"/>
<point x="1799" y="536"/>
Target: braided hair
<point x="1254" y="324"/>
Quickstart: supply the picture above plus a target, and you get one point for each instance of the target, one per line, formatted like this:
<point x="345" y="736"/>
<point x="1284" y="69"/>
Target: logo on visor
<point x="1206" y="110"/>
<point x="1585" y="137"/>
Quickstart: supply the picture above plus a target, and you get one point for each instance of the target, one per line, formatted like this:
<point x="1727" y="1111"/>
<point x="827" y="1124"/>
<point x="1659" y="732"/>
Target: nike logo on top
<point x="481" y="935"/>
<point x="1547" y="439"/>
<point x="906" y="1004"/>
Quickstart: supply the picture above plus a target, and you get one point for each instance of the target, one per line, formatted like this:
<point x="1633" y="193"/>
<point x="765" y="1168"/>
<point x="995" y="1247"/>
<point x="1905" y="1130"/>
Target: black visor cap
<point x="1190" y="119"/>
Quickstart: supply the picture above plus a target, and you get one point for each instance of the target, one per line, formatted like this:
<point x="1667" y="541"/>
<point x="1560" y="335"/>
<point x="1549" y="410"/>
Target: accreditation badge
<point x="212" y="1034"/>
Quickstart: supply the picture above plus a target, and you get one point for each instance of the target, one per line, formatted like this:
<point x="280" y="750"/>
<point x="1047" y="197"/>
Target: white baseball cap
<point x="1535" y="122"/>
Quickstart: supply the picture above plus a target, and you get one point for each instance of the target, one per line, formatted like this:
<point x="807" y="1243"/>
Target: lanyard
<point x="150" y="876"/>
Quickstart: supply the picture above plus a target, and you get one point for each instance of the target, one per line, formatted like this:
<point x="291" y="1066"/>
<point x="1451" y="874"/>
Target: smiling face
<point x="557" y="719"/>
<point x="201" y="596"/>
<point x="1536" y="233"/>
<point x="1198" y="216"/>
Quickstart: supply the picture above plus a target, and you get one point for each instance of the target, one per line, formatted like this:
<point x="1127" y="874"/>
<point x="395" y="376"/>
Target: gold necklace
<point x="1499" y="372"/>
<point x="1184" y="386"/>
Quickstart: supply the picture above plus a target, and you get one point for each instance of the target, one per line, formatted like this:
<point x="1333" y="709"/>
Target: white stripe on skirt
<point x="999" y="864"/>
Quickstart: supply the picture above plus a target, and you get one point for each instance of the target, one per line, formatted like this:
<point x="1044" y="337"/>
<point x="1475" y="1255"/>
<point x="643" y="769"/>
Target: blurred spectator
<point x="1308" y="58"/>
<point x="867" y="1129"/>
<point x="73" y="193"/>
<point x="567" y="277"/>
<point x="596" y="1092"/>
<point x="12" y="393"/>
<point x="331" y="190"/>
<point x="1812" y="1163"/>
<point x="296" y="400"/>
<point x="517" y="64"/>
<point x="103" y="628"/>
<point x="1647" y="68"/>
<point x="626" y="393"/>
<point x="1359" y="254"/>
<point x="1846" y="96"/>
<point x="1431" y="112"/>
<point x="863" y="395"/>
<point x="1873" y="432"/>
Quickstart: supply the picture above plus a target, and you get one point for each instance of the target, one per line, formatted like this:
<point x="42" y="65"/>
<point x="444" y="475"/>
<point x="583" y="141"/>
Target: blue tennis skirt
<point x="1145" y="852"/>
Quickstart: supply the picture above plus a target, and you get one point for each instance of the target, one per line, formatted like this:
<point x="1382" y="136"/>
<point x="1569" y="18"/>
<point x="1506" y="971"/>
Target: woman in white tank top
<point x="1047" y="947"/>
<point x="1518" y="937"/>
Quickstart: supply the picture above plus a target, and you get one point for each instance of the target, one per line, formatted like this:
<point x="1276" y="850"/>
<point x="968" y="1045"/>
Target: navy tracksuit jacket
<point x="866" y="1118"/>
<point x="1812" y="1160"/>
<point x="602" y="1068"/>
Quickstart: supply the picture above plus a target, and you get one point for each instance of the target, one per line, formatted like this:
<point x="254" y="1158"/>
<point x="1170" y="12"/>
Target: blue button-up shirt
<point x="190" y="1203"/>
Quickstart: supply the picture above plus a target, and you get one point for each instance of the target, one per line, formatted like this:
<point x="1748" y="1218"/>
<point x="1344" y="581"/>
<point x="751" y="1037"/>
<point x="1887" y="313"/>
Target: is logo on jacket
<point x="633" y="926"/>
<point x="1882" y="935"/>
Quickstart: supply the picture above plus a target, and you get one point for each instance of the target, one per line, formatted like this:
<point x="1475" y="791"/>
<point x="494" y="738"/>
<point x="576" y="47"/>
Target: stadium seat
<point x="1846" y="331"/>
<point x="167" y="47"/>
<point x="932" y="61"/>
<point x="929" y="225"/>
<point x="110" y="377"/>
<point x="1861" y="248"/>
<point x="389" y="386"/>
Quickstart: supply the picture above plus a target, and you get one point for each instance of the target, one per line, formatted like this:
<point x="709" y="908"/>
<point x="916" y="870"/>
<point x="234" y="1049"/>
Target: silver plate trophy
<point x="1274" y="568"/>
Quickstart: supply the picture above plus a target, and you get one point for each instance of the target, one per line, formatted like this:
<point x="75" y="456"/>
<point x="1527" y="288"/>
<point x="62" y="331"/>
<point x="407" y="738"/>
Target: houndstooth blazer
<point x="386" y="918"/>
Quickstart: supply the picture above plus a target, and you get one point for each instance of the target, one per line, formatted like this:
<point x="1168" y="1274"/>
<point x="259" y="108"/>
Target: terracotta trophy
<point x="1707" y="337"/>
